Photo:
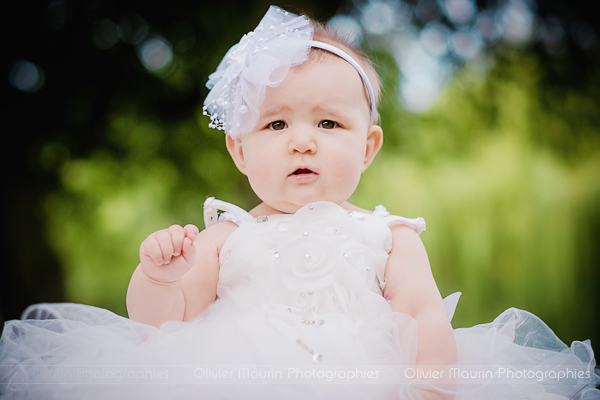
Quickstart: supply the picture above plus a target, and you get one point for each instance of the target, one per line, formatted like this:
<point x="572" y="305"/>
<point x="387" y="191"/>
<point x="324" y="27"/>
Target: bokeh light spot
<point x="26" y="76"/>
<point x="434" y="39"/>
<point x="378" y="17"/>
<point x="156" y="54"/>
<point x="518" y="22"/>
<point x="105" y="34"/>
<point x="459" y="11"/>
<point x="466" y="44"/>
<point x="419" y="93"/>
<point x="489" y="27"/>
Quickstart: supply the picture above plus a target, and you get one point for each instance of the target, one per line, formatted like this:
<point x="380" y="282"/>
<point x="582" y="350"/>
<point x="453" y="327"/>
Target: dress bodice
<point x="323" y="259"/>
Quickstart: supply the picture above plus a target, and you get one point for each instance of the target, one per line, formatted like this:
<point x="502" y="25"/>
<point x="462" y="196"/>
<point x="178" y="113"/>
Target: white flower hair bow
<point x="262" y="58"/>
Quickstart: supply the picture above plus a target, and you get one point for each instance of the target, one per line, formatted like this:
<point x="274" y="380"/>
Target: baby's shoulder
<point x="405" y="233"/>
<point x="216" y="235"/>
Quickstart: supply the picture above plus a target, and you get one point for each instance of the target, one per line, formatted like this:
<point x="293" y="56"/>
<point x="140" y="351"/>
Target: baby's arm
<point x="412" y="290"/>
<point x="177" y="275"/>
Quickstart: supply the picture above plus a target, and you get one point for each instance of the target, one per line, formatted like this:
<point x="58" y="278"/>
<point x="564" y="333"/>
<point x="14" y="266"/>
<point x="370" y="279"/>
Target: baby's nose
<point x="303" y="142"/>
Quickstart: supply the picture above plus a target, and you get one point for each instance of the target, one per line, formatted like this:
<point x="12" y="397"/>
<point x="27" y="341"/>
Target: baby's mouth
<point x="303" y="171"/>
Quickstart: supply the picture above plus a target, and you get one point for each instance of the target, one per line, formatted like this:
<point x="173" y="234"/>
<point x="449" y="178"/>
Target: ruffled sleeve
<point x="230" y="212"/>
<point x="418" y="224"/>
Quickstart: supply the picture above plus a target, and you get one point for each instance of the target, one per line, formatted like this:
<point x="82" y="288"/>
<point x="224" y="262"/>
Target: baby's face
<point x="313" y="140"/>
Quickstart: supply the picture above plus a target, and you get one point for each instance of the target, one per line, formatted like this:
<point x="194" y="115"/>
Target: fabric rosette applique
<point x="262" y="58"/>
<point x="320" y="261"/>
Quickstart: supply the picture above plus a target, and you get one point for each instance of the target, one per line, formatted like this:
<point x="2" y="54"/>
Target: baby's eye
<point x="327" y="124"/>
<point x="277" y="125"/>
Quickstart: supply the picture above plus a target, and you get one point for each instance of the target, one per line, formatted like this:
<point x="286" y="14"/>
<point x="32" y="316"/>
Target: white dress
<point x="299" y="315"/>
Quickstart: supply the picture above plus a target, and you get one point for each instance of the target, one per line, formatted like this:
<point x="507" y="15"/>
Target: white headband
<point x="352" y="61"/>
<point x="263" y="58"/>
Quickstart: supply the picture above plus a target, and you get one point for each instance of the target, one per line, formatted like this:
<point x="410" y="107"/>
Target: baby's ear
<point x="234" y="146"/>
<point x="374" y="142"/>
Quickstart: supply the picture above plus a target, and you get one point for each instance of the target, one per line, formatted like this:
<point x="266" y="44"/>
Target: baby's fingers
<point x="177" y="235"/>
<point x="151" y="249"/>
<point x="165" y="244"/>
<point x="189" y="250"/>
<point x="191" y="231"/>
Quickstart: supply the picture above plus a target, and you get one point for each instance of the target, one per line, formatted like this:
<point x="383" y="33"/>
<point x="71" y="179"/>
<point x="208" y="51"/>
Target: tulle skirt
<point x="73" y="351"/>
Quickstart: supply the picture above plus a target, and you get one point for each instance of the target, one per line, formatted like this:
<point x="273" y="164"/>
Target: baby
<point x="314" y="135"/>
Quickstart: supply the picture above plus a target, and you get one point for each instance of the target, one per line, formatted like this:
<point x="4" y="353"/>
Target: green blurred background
<point x="502" y="157"/>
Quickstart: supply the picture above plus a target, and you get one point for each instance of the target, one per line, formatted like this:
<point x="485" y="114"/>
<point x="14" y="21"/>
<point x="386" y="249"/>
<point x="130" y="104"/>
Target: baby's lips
<point x="303" y="170"/>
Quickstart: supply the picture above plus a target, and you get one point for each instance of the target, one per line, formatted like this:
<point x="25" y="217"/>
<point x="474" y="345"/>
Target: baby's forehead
<point x="326" y="83"/>
<point x="326" y="63"/>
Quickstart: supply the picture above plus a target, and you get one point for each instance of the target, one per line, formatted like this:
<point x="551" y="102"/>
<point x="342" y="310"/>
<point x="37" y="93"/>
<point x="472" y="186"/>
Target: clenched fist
<point x="166" y="255"/>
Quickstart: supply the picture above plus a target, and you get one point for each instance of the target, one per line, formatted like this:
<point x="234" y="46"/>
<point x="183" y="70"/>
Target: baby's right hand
<point x="166" y="255"/>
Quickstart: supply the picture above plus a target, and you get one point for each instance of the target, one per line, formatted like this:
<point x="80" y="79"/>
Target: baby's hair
<point x="327" y="34"/>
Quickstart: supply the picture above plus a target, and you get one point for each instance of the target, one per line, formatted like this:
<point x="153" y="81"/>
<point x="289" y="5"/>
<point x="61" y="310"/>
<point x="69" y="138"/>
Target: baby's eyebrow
<point x="334" y="112"/>
<point x="274" y="111"/>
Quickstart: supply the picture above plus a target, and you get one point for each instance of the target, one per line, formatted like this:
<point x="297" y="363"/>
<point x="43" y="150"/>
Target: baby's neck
<point x="266" y="209"/>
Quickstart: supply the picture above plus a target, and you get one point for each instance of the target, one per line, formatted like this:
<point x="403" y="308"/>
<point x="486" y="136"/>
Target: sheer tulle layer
<point x="70" y="351"/>
<point x="517" y="356"/>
